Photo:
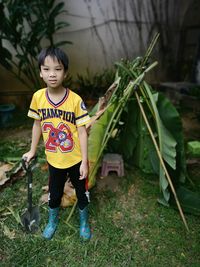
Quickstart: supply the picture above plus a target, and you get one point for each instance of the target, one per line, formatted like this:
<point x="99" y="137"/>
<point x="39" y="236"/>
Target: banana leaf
<point x="125" y="137"/>
<point x="189" y="200"/>
<point x="166" y="141"/>
<point x="96" y="136"/>
<point x="172" y="121"/>
<point x="144" y="154"/>
<point x="167" y="144"/>
<point x="128" y="134"/>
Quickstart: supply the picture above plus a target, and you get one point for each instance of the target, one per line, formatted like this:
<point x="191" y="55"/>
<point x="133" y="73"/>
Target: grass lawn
<point x="129" y="227"/>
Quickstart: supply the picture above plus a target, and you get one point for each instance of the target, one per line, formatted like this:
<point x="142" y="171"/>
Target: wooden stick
<point x="161" y="161"/>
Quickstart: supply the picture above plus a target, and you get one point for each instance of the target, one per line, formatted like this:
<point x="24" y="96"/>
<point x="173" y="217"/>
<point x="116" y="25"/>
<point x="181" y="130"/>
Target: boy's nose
<point x="52" y="74"/>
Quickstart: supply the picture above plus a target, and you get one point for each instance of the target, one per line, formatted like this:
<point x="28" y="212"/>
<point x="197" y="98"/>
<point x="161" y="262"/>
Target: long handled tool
<point x="31" y="218"/>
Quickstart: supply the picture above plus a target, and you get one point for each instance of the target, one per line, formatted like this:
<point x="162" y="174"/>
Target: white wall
<point x="104" y="31"/>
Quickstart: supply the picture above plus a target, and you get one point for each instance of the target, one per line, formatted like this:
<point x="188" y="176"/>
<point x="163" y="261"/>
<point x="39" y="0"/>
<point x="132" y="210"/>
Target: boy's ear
<point x="41" y="74"/>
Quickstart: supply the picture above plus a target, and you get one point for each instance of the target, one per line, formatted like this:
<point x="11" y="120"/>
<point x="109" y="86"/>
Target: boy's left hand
<point x="83" y="170"/>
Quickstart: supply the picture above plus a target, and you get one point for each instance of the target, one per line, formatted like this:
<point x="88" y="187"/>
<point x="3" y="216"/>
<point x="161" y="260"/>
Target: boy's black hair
<point x="55" y="53"/>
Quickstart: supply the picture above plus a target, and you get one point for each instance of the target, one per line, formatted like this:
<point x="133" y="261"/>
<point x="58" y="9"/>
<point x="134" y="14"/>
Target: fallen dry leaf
<point x="68" y="198"/>
<point x="3" y="178"/>
<point x="44" y="167"/>
<point x="5" y="167"/>
<point x="44" y="198"/>
<point x="45" y="188"/>
<point x="8" y="233"/>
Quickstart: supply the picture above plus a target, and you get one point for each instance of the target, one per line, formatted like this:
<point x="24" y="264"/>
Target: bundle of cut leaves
<point x="119" y="108"/>
<point x="147" y="130"/>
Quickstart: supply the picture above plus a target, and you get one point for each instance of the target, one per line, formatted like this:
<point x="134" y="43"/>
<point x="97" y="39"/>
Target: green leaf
<point x="20" y="26"/>
<point x="172" y="120"/>
<point x="144" y="149"/>
<point x="15" y="214"/>
<point x="190" y="201"/>
<point x="167" y="144"/>
<point x="128" y="131"/>
<point x="56" y="10"/>
<point x="96" y="137"/>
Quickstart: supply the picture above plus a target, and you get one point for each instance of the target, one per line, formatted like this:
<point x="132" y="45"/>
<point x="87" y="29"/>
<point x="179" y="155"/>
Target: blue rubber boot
<point x="52" y="224"/>
<point x="85" y="232"/>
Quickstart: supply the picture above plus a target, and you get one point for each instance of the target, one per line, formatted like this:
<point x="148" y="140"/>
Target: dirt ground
<point x="191" y="126"/>
<point x="14" y="134"/>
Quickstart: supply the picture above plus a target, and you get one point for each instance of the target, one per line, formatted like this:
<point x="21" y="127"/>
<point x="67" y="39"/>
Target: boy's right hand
<point x="28" y="156"/>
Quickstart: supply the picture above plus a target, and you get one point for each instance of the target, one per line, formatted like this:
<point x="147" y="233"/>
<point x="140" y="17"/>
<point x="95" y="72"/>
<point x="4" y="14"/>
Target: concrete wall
<point x="104" y="31"/>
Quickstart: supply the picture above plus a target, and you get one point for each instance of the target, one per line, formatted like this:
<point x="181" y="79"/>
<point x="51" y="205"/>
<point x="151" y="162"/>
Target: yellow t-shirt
<point x="59" y="122"/>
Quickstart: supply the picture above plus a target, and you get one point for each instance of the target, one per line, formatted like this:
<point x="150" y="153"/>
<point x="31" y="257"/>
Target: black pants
<point x="57" y="181"/>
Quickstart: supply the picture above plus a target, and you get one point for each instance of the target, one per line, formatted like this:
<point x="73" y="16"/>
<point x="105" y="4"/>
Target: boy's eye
<point x="45" y="68"/>
<point x="58" y="69"/>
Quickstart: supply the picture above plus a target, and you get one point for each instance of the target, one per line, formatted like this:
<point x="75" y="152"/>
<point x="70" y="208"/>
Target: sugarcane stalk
<point x="134" y="75"/>
<point x="161" y="161"/>
<point x="150" y="49"/>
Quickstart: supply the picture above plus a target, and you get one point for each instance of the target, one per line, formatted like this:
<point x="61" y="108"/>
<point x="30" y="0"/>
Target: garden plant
<point x="24" y="29"/>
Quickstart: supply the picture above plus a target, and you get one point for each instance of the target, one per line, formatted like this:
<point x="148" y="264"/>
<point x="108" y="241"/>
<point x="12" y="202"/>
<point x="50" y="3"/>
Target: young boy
<point x="60" y="116"/>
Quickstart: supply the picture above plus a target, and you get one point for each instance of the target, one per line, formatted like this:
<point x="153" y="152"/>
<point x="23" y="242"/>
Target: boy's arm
<point x="36" y="133"/>
<point x="83" y="144"/>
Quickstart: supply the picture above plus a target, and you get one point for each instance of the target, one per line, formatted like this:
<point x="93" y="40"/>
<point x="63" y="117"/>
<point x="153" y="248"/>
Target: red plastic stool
<point x="112" y="162"/>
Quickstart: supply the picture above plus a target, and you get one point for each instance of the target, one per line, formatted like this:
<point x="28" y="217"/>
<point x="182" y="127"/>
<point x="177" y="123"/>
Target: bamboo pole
<point x="161" y="161"/>
<point x="71" y="212"/>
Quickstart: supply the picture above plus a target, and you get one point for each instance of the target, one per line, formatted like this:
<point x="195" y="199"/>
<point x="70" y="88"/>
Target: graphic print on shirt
<point x="58" y="138"/>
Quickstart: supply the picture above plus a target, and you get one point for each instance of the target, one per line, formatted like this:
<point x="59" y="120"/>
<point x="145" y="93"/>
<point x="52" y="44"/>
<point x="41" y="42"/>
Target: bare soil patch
<point x="14" y="134"/>
<point x="191" y="126"/>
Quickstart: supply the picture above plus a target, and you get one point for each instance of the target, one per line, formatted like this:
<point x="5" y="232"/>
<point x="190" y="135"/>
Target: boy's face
<point x="52" y="72"/>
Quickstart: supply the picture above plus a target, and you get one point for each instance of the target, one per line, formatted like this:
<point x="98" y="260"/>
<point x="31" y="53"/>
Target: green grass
<point x="129" y="227"/>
